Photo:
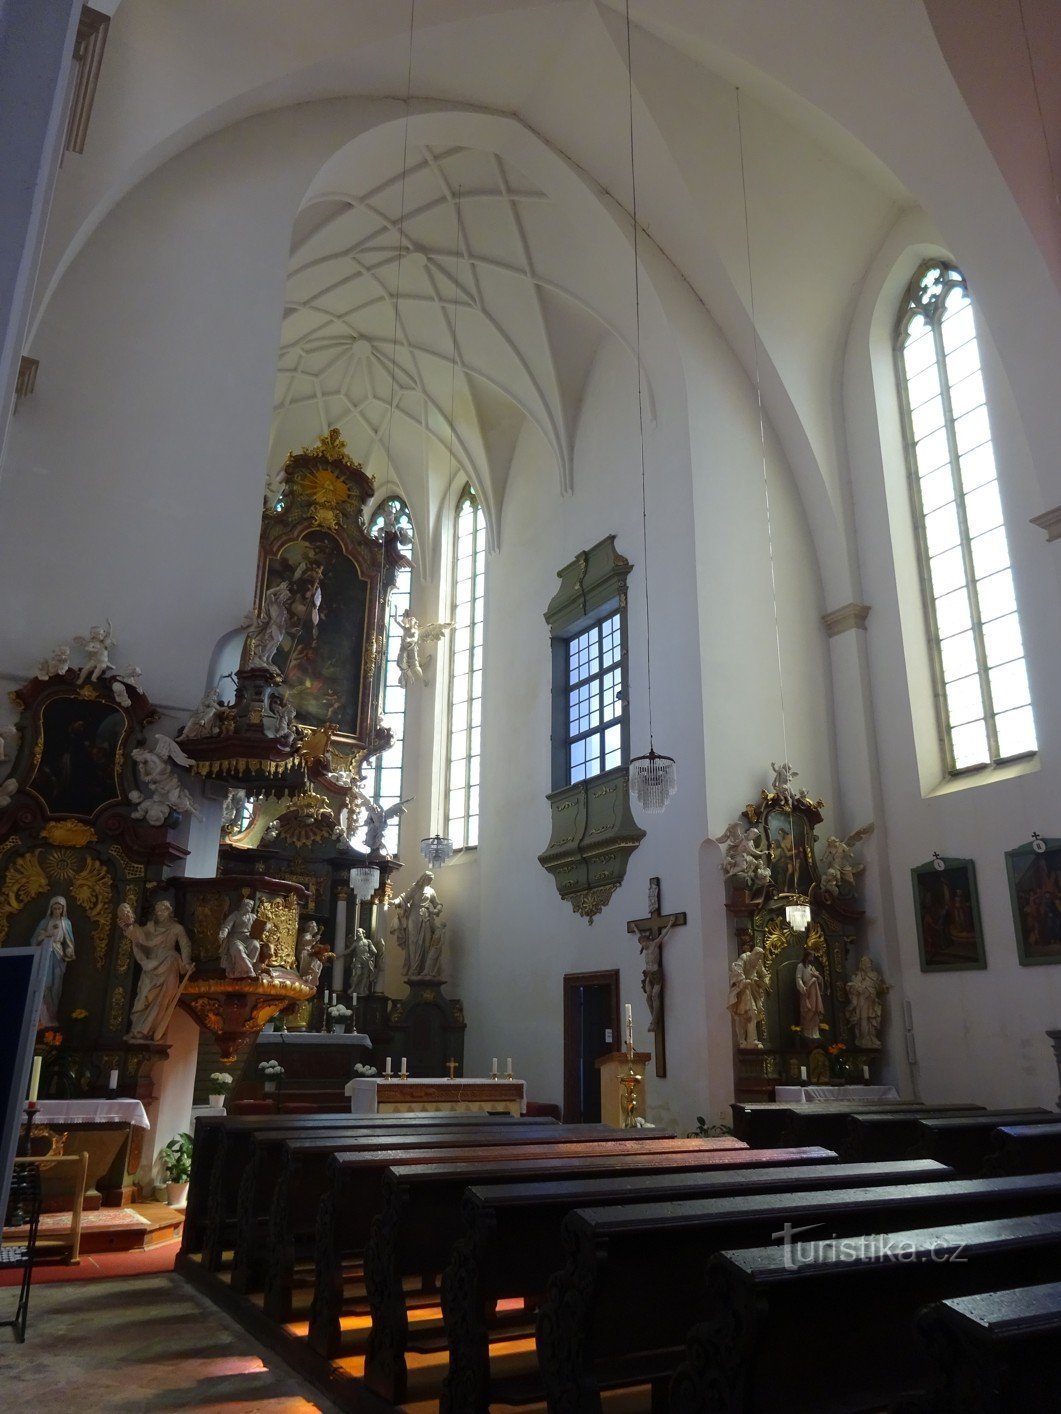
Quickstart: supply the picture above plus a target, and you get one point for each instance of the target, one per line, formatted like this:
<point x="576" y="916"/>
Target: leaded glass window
<point x="466" y="673"/>
<point x="384" y="774"/>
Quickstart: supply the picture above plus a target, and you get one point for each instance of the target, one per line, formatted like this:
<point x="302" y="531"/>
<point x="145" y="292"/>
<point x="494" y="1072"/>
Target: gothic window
<point x="384" y="775"/>
<point x="466" y="672"/>
<point x="978" y="655"/>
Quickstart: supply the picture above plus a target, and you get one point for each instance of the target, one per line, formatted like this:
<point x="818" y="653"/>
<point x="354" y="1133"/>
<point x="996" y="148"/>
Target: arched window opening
<point x="982" y="693"/>
<point x="384" y="775"/>
<point x="466" y="672"/>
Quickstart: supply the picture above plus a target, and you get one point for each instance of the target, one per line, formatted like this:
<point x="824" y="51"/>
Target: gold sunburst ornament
<point x="326" y="493"/>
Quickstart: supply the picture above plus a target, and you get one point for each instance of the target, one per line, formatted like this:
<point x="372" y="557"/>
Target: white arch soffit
<point x="443" y="132"/>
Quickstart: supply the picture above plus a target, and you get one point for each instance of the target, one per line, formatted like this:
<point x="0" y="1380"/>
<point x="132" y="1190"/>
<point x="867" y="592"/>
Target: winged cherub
<point x="410" y="668"/>
<point x="743" y="857"/>
<point x="838" y="860"/>
<point x="376" y="817"/>
<point x="157" y="773"/>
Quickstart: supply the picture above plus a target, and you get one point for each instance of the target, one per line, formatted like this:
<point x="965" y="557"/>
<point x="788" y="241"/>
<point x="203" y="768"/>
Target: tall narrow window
<point x="384" y="780"/>
<point x="593" y="699"/>
<point x="466" y="673"/>
<point x="981" y="680"/>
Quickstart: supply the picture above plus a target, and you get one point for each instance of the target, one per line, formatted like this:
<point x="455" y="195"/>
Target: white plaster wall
<point x="979" y="1035"/>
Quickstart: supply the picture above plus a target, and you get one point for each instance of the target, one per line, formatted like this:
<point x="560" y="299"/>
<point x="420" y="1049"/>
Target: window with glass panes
<point x="384" y="775"/>
<point x="981" y="680"/>
<point x="594" y="699"/>
<point x="466" y="673"/>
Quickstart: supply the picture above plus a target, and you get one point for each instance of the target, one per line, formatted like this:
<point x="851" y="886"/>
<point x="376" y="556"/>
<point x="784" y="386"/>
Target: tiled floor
<point x="133" y="1346"/>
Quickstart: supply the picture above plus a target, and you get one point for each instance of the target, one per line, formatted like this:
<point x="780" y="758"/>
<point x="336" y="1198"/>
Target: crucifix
<point x="651" y="932"/>
<point x="451" y="1066"/>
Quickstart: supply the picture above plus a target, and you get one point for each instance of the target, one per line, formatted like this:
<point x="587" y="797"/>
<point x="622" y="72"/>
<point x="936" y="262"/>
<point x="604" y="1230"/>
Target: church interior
<point x="393" y="394"/>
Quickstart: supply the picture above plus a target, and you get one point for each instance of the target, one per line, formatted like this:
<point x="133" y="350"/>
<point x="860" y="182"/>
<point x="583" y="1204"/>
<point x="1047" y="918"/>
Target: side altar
<point x="394" y="1095"/>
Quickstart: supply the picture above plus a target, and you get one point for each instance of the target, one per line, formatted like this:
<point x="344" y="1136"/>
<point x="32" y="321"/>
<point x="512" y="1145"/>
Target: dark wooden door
<point x="591" y="1029"/>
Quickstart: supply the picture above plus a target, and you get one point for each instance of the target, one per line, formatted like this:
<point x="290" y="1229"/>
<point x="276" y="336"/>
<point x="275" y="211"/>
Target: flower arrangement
<point x="365" y="1070"/>
<point x="338" y="1012"/>
<point x="271" y="1070"/>
<point x="222" y="1082"/>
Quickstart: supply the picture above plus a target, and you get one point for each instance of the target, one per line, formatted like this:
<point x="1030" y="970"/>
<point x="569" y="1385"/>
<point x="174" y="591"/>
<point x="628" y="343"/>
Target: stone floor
<point x="136" y="1345"/>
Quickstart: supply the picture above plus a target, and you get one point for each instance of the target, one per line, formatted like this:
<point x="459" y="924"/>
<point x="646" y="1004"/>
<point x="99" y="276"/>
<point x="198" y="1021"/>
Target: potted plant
<point x="338" y="1016"/>
<point x="176" y="1163"/>
<point x="222" y="1084"/>
<point x="272" y="1073"/>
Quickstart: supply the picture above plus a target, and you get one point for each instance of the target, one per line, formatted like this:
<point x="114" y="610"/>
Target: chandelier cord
<point x="637" y="346"/>
<point x="1039" y="104"/>
<point x="401" y="227"/>
<point x="762" y="427"/>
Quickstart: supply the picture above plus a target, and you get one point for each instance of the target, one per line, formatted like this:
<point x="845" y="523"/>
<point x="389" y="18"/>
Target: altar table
<point x="395" y="1096"/>
<point x="809" y="1094"/>
<point x="109" y="1131"/>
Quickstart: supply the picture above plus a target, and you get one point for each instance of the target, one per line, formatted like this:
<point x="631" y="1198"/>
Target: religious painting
<point x="791" y="840"/>
<point x="320" y="656"/>
<point x="1035" y="892"/>
<point x="947" y="909"/>
<point x="79" y="763"/>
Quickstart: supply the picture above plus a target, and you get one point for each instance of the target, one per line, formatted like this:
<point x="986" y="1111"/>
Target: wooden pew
<point x="767" y="1124"/>
<point x="312" y="1190"/>
<point x="998" y="1350"/>
<point x="869" y="1136"/>
<point x="963" y="1142"/>
<point x="861" y="1356"/>
<point x="265" y="1166"/>
<point x="420" y="1221"/>
<point x="510" y="1243"/>
<point x="356" y="1191"/>
<point x="827" y="1124"/>
<point x="651" y="1259"/>
<point x="233" y="1153"/>
<point x="1024" y="1148"/>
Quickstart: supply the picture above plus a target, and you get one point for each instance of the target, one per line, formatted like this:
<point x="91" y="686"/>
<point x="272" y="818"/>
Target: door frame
<point x="572" y="981"/>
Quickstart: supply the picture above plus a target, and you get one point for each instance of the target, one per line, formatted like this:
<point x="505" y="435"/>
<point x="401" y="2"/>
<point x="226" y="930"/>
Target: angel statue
<point x="166" y="792"/>
<point x="784" y="775"/>
<point x="743" y="857"/>
<point x="838" y="860"/>
<point x="410" y="668"/>
<point x="376" y="817"/>
<point x="270" y="626"/>
<point x="56" y="665"/>
<point x="97" y="645"/>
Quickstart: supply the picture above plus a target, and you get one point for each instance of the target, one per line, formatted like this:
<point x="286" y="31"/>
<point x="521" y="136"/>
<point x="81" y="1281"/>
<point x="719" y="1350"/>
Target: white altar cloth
<point x="808" y="1094"/>
<point x="116" y="1111"/>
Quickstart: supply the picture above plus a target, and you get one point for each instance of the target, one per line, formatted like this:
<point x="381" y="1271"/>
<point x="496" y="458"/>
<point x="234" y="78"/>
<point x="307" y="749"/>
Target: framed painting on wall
<point x="1034" y="871"/>
<point x="950" y="937"/>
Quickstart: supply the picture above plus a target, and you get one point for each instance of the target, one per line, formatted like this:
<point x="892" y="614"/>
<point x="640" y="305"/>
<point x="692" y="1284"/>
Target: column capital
<point x="1050" y="521"/>
<point x="847" y="617"/>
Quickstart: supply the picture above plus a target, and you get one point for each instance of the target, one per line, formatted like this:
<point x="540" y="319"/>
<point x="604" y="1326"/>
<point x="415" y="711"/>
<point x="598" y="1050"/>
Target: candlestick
<point x="387" y="1067"/>
<point x="353" y="999"/>
<point x="404" y="1070"/>
<point x="112" y="1083"/>
<point x="803" y="1073"/>
<point x="865" y="1072"/>
<point x="493" y="1069"/>
<point x="508" y="1068"/>
<point x="35" y="1078"/>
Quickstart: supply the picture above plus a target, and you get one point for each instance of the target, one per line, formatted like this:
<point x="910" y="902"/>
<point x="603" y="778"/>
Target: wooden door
<point x="591" y="1029"/>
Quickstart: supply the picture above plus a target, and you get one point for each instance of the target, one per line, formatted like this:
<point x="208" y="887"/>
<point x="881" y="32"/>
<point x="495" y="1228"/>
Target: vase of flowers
<point x="338" y="1016"/>
<point x="222" y="1083"/>
<point x="272" y="1073"/>
<point x="176" y="1163"/>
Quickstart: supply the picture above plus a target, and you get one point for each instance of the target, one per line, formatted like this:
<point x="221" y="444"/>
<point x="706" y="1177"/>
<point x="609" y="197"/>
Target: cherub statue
<point x="784" y="775"/>
<point x="743" y="857"/>
<point x="56" y="665"/>
<point x="284" y="721"/>
<point x="97" y="645"/>
<point x="410" y="667"/>
<point x="377" y="818"/>
<point x="838" y="860"/>
<point x="203" y="721"/>
<point x="166" y="792"/>
<point x="270" y="626"/>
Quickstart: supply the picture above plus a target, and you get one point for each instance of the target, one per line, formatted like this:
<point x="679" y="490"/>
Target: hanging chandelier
<point x="653" y="777"/>
<point x="797" y="916"/>
<point x="437" y="850"/>
<point x="364" y="881"/>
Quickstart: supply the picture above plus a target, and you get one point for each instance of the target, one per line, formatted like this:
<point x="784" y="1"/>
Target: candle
<point x="803" y="1073"/>
<point x="353" y="999"/>
<point x="629" y="1027"/>
<point x="404" y="1067"/>
<point x="112" y="1083"/>
<point x="493" y="1066"/>
<point x="35" y="1078"/>
<point x="865" y="1072"/>
<point x="387" y="1067"/>
<point x="327" y="997"/>
<point x="508" y="1066"/>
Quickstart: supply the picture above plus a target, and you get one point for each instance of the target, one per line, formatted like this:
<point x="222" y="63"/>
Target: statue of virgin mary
<point x="54" y="932"/>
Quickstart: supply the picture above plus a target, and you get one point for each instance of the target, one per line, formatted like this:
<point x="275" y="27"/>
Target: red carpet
<point x="94" y="1265"/>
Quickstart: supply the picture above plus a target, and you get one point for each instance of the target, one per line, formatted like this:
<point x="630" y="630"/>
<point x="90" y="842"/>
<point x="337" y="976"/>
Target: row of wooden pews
<point x="573" y="1261"/>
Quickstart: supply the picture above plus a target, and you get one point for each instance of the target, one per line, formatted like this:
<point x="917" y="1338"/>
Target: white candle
<point x="508" y="1066"/>
<point x="493" y="1066"/>
<point x="404" y="1069"/>
<point x="353" y="999"/>
<point x="35" y="1078"/>
<point x="629" y="1027"/>
<point x="327" y="998"/>
<point x="803" y="1073"/>
<point x="112" y="1083"/>
<point x="865" y="1072"/>
<point x="387" y="1067"/>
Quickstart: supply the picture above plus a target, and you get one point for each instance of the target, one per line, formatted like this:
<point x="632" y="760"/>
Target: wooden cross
<point x="451" y="1066"/>
<point x="651" y="932"/>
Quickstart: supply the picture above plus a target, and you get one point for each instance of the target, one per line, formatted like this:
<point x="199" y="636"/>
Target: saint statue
<point x="54" y="932"/>
<point x="418" y="931"/>
<point x="164" y="952"/>
<point x="748" y="982"/>
<point x="239" y="949"/>
<point x="865" y="1009"/>
<point x="811" y="1003"/>
<point x="364" y="962"/>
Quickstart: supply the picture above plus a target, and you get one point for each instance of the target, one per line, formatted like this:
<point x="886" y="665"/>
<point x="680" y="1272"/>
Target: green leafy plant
<point x="176" y="1159"/>
<point x="704" y="1130"/>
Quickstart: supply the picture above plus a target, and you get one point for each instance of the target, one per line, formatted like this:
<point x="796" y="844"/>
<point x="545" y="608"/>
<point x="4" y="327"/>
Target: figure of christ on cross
<point x="651" y="932"/>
